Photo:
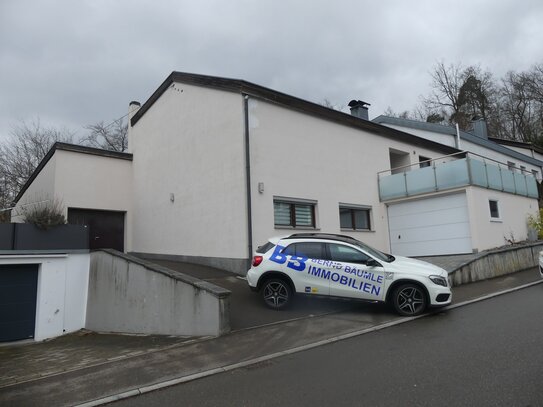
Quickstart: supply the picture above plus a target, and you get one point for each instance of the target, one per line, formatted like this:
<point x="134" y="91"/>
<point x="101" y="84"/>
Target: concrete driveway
<point x="247" y="310"/>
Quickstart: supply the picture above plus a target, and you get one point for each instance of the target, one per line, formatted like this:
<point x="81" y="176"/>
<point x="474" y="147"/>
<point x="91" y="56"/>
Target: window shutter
<point x="281" y="213"/>
<point x="303" y="215"/>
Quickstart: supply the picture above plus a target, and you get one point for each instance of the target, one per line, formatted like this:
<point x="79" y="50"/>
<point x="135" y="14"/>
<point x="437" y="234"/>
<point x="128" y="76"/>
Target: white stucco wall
<point x="296" y="155"/>
<point x="62" y="291"/>
<point x="190" y="146"/>
<point x="92" y="181"/>
<point x="488" y="233"/>
<point x="525" y="151"/>
<point x="445" y="139"/>
<point x="41" y="189"/>
<point x="95" y="182"/>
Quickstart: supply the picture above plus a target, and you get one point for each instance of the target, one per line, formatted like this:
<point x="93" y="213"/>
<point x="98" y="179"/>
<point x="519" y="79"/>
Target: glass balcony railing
<point x="456" y="173"/>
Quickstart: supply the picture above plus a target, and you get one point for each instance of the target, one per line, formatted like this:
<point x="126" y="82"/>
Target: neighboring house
<point x="525" y="148"/>
<point x="220" y="165"/>
<point x="518" y="156"/>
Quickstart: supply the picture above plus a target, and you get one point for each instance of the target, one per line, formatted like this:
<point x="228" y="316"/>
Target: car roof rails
<point x="330" y="236"/>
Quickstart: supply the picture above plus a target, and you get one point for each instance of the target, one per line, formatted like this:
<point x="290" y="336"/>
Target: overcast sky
<point x="71" y="63"/>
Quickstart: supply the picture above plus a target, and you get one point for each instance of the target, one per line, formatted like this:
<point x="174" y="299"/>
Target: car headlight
<point x="439" y="280"/>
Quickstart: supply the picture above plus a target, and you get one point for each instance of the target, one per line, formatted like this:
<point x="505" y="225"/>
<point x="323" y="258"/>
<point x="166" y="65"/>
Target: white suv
<point x="341" y="266"/>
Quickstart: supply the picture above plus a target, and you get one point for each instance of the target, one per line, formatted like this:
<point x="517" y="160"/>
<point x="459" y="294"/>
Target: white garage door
<point x="430" y="226"/>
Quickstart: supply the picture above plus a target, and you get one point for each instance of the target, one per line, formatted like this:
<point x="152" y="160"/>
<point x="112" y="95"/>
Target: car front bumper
<point x="439" y="296"/>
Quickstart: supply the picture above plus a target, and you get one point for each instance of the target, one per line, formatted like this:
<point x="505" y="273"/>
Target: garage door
<point x="18" y="293"/>
<point x="431" y="226"/>
<point x="106" y="228"/>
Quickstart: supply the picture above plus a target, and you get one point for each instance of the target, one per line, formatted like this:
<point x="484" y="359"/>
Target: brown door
<point x="106" y="228"/>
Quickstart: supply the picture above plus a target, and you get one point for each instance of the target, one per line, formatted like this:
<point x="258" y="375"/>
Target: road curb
<point x="254" y="361"/>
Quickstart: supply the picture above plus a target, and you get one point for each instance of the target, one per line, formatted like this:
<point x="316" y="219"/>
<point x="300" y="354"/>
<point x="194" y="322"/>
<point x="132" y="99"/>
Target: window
<point x="510" y="166"/>
<point x="494" y="209"/>
<point x="346" y="254"/>
<point x="354" y="218"/>
<point x="265" y="247"/>
<point x="399" y="161"/>
<point x="424" y="162"/>
<point x="293" y="214"/>
<point x="306" y="249"/>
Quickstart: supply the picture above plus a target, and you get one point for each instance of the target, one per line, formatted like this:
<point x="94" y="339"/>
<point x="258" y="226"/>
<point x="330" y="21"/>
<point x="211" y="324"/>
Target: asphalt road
<point x="488" y="353"/>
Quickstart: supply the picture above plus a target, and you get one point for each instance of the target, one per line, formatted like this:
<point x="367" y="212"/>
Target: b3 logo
<point x="295" y="263"/>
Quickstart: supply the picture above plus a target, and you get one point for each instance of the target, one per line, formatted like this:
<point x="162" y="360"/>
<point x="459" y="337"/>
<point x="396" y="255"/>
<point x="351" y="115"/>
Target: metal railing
<point x="446" y="172"/>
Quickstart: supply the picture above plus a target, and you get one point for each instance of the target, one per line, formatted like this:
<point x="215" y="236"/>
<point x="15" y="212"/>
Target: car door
<point x="354" y="278"/>
<point x="305" y="266"/>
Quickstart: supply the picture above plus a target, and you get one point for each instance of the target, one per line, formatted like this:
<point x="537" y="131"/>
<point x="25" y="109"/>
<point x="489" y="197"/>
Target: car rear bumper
<point x="252" y="279"/>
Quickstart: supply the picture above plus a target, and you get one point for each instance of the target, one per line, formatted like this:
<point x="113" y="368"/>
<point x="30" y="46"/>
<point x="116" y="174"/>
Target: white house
<point x="216" y="166"/>
<point x="518" y="156"/>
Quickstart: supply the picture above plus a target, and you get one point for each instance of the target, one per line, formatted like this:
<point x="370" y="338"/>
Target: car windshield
<point x="374" y="252"/>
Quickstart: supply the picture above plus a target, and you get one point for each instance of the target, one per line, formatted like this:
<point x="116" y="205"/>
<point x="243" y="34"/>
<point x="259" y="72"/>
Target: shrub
<point x="536" y="223"/>
<point x="45" y="214"/>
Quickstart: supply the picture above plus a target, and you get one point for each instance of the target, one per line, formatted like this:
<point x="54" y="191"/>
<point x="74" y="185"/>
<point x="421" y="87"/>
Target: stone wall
<point x="495" y="263"/>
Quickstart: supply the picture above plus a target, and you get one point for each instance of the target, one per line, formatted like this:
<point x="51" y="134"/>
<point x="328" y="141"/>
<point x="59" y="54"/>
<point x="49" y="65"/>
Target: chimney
<point x="133" y="108"/>
<point x="359" y="109"/>
<point x="478" y="127"/>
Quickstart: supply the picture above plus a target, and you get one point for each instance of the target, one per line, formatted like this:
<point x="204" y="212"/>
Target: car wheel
<point x="276" y="293"/>
<point x="409" y="300"/>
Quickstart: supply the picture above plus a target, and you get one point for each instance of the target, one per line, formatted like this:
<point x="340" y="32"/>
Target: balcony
<point x="471" y="170"/>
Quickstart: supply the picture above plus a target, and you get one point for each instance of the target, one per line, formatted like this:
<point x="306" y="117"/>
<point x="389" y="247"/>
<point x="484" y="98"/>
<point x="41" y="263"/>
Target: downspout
<point x="248" y="178"/>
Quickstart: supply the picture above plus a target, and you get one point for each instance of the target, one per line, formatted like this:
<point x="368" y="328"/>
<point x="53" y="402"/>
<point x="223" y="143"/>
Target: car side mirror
<point x="373" y="263"/>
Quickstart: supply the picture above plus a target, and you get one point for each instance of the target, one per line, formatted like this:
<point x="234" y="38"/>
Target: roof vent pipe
<point x="359" y="109"/>
<point x="478" y="127"/>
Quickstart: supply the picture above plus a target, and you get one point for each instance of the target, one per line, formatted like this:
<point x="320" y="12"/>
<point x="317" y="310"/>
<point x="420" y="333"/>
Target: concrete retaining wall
<point x="495" y="263"/>
<point x="130" y="295"/>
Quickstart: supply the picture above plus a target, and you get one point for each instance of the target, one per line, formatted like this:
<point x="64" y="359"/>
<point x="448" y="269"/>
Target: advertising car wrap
<point x="336" y="265"/>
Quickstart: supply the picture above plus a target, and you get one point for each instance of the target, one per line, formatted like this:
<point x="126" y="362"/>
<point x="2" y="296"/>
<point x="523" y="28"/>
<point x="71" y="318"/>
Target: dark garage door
<point x="106" y="228"/>
<point x="18" y="291"/>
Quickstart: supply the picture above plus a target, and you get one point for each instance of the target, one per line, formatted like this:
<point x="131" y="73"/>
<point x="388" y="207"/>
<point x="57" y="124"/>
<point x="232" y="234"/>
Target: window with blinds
<point x="293" y="214"/>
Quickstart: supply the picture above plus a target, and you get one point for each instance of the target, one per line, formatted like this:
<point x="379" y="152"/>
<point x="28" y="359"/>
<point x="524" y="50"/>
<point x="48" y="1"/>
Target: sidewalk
<point x="82" y="367"/>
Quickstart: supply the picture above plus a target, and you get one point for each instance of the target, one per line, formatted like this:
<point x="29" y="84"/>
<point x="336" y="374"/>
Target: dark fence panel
<point x="6" y="236"/>
<point x="24" y="236"/>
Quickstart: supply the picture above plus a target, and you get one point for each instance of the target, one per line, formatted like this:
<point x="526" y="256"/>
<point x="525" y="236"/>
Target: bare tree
<point x="459" y="93"/>
<point x="20" y="154"/>
<point x="521" y="106"/>
<point x="446" y="84"/>
<point x="535" y="83"/>
<point x="113" y="137"/>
